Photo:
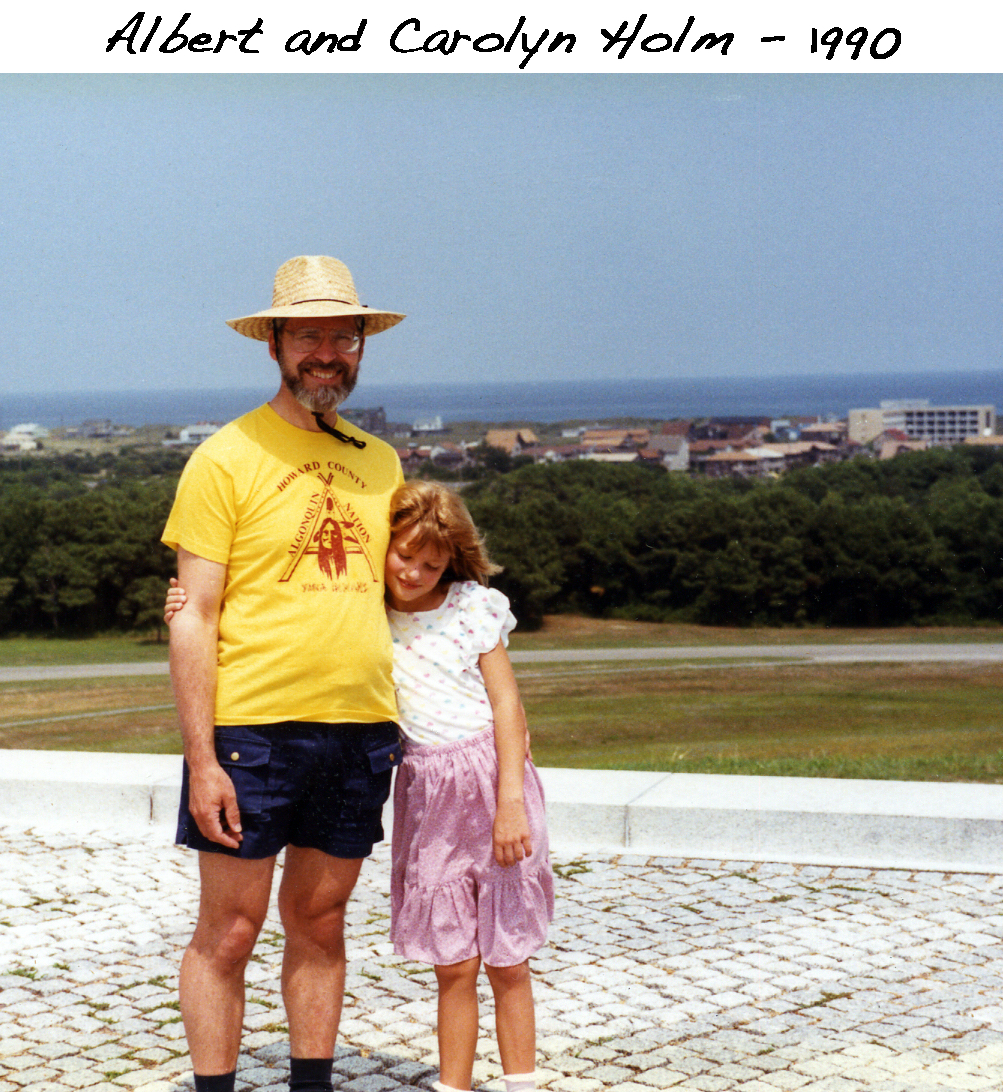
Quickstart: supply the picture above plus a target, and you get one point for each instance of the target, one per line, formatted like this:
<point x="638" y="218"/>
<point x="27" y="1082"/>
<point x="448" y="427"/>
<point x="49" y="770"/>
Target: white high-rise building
<point x="921" y="421"/>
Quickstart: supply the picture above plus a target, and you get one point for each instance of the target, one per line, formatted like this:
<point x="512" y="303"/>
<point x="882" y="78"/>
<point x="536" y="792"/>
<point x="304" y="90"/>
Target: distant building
<point x="619" y="439"/>
<point x="510" y="440"/>
<point x="735" y="429"/>
<point x="829" y="432"/>
<point x="611" y="456"/>
<point x="741" y="464"/>
<point x="890" y="445"/>
<point x="672" y="451"/>
<point x="32" y="431"/>
<point x="15" y="441"/>
<point x="369" y="420"/>
<point x="921" y="421"/>
<point x="195" y="434"/>
<point x="427" y="424"/>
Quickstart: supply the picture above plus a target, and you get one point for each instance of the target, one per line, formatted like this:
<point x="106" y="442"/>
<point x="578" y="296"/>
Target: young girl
<point x="470" y="879"/>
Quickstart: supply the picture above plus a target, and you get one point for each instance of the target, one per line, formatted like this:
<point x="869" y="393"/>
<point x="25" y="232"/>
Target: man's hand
<point x="213" y="804"/>
<point x="510" y="833"/>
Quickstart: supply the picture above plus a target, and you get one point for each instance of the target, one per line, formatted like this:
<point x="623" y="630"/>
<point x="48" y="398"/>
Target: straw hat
<point x="313" y="286"/>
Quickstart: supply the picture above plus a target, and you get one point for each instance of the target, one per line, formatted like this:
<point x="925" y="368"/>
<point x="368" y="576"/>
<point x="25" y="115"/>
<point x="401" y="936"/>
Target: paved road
<point x="660" y="973"/>
<point x="858" y="653"/>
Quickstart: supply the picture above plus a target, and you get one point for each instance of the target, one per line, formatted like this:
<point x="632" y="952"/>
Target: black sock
<point x="310" y="1074"/>
<point x="222" y="1082"/>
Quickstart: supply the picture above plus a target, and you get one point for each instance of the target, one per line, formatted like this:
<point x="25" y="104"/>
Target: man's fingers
<point x="232" y="813"/>
<point x="213" y="805"/>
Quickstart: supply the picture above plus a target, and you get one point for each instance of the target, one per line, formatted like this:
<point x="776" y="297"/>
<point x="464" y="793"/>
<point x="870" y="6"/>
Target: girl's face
<point x="412" y="574"/>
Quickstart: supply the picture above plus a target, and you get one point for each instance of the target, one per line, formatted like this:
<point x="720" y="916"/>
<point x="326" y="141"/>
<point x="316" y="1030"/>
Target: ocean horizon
<point x="826" y="396"/>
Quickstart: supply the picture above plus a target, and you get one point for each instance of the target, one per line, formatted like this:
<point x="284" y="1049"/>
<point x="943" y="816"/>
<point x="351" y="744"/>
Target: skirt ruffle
<point x="450" y="900"/>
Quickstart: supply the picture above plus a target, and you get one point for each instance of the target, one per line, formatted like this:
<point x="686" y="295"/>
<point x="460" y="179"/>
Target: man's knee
<point x="228" y="942"/>
<point x="314" y="894"/>
<point x="320" y="924"/>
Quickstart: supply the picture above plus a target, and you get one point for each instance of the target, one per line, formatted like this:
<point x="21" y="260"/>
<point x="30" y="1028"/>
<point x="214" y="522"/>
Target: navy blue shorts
<point x="317" y="786"/>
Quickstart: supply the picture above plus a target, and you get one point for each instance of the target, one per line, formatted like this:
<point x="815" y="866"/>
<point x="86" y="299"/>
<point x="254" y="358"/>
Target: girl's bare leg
<point x="515" y="1021"/>
<point x="457" y="1029"/>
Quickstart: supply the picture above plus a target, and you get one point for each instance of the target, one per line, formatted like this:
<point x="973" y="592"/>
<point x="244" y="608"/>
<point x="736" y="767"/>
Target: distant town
<point x="713" y="446"/>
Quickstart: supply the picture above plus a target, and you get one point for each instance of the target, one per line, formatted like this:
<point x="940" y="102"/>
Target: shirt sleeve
<point x="488" y="618"/>
<point x="203" y="518"/>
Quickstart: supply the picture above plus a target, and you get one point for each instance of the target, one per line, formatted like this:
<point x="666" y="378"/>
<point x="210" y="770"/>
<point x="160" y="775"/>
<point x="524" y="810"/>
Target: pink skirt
<point x="450" y="900"/>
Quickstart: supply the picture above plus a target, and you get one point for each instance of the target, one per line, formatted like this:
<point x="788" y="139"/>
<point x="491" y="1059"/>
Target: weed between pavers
<point x="415" y="971"/>
<point x="825" y="999"/>
<point x="573" y="868"/>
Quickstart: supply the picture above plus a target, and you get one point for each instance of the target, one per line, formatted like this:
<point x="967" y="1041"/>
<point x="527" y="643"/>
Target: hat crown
<point x="311" y="277"/>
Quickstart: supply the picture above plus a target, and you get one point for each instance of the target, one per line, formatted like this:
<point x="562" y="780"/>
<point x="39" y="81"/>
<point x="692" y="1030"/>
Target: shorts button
<point x="235" y="756"/>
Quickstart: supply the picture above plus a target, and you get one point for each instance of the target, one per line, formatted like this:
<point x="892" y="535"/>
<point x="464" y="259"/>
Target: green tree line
<point x="917" y="539"/>
<point x="80" y="547"/>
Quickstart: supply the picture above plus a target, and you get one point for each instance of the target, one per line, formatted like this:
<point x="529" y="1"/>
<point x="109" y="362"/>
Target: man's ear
<point x="271" y="346"/>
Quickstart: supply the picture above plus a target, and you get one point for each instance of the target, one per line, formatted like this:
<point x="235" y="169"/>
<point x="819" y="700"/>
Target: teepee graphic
<point x="332" y="538"/>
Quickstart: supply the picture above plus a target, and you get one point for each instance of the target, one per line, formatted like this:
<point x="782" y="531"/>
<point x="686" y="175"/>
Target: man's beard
<point x="323" y="399"/>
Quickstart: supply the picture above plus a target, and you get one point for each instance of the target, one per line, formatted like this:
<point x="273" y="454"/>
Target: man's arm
<point x="194" y="638"/>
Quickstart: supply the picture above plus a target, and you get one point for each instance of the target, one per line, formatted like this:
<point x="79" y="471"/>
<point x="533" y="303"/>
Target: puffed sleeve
<point x="487" y="617"/>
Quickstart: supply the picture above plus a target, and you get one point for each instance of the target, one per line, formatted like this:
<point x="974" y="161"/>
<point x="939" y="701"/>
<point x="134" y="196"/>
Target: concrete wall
<point x="892" y="824"/>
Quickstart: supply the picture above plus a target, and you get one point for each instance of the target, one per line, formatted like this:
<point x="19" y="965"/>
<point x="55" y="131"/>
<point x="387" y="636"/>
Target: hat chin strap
<point x="336" y="433"/>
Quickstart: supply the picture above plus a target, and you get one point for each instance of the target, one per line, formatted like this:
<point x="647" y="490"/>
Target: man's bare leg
<point x="232" y="908"/>
<point x="312" y="896"/>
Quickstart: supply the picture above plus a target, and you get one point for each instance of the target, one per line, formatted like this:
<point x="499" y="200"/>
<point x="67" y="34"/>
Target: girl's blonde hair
<point x="439" y="517"/>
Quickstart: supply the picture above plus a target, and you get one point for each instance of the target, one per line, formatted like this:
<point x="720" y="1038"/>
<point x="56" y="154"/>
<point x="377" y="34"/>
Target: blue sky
<point x="543" y="226"/>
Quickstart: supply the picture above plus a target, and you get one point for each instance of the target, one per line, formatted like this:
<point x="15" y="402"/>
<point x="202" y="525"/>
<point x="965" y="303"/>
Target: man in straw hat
<point x="281" y="665"/>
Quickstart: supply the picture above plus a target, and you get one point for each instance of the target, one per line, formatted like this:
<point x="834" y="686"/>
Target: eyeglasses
<point x="309" y="340"/>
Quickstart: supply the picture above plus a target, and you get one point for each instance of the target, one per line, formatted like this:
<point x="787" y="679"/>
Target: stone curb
<point x="875" y="824"/>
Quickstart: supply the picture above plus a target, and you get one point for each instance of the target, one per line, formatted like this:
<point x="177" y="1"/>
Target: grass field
<point x="929" y="722"/>
<point x="932" y="722"/>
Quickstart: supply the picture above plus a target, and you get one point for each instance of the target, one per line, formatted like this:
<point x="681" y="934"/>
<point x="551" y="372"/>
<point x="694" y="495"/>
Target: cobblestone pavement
<point x="659" y="974"/>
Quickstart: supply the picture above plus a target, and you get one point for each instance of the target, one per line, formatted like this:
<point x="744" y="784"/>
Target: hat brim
<point x="259" y="325"/>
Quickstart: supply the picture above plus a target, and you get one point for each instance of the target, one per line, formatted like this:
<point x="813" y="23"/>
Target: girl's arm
<point x="511" y="827"/>
<point x="176" y="599"/>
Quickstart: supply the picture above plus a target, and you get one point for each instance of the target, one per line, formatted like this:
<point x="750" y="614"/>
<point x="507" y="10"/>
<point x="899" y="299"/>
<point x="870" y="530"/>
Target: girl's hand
<point x="511" y="833"/>
<point x="176" y="599"/>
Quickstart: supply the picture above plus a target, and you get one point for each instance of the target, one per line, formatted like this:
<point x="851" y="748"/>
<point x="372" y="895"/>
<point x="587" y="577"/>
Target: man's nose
<point x="326" y="351"/>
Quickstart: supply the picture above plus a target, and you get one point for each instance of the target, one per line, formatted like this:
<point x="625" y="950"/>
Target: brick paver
<point x="659" y="974"/>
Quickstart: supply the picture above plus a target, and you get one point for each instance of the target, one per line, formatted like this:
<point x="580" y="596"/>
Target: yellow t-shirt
<point x="301" y="522"/>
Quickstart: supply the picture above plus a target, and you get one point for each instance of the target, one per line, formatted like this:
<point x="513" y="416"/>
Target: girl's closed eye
<point x="413" y="573"/>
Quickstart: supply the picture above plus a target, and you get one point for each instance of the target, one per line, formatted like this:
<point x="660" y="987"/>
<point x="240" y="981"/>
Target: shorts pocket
<point x="245" y="759"/>
<point x="384" y="756"/>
